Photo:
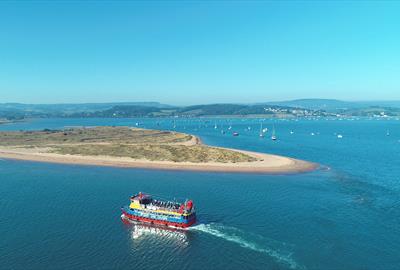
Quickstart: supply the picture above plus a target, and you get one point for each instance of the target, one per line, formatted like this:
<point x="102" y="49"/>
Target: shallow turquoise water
<point x="345" y="217"/>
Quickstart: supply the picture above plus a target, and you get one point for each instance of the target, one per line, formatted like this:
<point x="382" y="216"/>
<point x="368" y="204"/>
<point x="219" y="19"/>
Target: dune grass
<point x="124" y="135"/>
<point x="176" y="153"/>
<point x="153" y="145"/>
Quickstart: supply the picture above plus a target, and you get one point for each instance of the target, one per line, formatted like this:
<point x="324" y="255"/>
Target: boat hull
<point x="159" y="222"/>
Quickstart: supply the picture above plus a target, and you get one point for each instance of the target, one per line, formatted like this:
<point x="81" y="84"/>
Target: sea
<point x="344" y="215"/>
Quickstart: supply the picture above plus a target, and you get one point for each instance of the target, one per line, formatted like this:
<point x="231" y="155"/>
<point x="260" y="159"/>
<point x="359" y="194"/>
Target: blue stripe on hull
<point x="158" y="216"/>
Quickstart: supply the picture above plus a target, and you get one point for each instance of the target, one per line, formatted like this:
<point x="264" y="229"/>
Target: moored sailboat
<point x="261" y="131"/>
<point x="273" y="137"/>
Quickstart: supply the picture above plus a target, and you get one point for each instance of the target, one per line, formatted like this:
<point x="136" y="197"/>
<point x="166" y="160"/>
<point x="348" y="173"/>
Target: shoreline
<point x="266" y="163"/>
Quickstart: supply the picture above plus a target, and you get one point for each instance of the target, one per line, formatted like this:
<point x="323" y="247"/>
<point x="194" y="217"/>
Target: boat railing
<point x="163" y="208"/>
<point x="154" y="207"/>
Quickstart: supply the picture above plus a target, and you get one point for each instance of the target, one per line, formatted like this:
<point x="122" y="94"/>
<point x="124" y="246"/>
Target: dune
<point x="138" y="148"/>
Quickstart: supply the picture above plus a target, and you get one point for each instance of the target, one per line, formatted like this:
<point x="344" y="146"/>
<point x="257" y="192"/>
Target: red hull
<point x="158" y="222"/>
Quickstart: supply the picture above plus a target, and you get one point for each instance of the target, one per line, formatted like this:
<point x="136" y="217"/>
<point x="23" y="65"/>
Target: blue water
<point x="343" y="216"/>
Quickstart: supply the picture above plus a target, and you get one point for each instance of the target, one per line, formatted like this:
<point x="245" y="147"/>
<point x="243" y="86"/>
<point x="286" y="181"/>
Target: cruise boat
<point x="144" y="208"/>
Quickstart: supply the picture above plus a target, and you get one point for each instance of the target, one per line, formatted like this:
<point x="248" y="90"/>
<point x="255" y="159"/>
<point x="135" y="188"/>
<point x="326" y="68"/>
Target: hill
<point x="284" y="109"/>
<point x="201" y="110"/>
<point x="334" y="105"/>
<point x="18" y="110"/>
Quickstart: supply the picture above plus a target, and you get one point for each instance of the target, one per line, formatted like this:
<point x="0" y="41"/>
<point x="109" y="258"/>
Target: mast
<point x="261" y="131"/>
<point x="273" y="137"/>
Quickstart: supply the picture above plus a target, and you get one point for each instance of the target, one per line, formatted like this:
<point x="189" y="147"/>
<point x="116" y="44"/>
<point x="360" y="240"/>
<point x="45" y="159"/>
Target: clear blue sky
<point x="198" y="52"/>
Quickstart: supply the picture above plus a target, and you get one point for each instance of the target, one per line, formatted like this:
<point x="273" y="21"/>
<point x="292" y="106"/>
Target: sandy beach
<point x="265" y="163"/>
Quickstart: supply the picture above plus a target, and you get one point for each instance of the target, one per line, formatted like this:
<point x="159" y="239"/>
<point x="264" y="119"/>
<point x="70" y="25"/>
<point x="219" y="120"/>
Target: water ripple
<point x="277" y="250"/>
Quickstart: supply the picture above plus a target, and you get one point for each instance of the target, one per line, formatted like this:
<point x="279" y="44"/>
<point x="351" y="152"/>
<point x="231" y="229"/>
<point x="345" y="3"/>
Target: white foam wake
<point x="139" y="230"/>
<point x="272" y="248"/>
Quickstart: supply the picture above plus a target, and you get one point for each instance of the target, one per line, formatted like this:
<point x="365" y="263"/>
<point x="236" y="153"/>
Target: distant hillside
<point x="242" y="110"/>
<point x="334" y="105"/>
<point x="386" y="104"/>
<point x="70" y="107"/>
<point x="231" y="109"/>
<point x="317" y="104"/>
<point x="129" y="111"/>
<point x="373" y="111"/>
<point x="19" y="110"/>
<point x="201" y="110"/>
<point x="223" y="109"/>
<point x="295" y="108"/>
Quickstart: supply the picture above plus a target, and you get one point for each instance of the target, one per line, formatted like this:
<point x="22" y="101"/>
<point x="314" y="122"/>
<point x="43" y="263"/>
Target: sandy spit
<point x="266" y="163"/>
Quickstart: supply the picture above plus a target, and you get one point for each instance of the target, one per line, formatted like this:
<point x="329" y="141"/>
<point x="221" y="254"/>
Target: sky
<point x="183" y="52"/>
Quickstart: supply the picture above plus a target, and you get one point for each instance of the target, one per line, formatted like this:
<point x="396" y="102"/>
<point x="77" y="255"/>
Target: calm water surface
<point x="345" y="216"/>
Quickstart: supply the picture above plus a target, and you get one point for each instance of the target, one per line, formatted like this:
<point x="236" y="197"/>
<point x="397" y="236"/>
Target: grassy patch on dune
<point x="123" y="135"/>
<point x="176" y="153"/>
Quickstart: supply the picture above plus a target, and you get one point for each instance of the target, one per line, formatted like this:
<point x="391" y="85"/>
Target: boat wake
<point x="277" y="250"/>
<point x="140" y="231"/>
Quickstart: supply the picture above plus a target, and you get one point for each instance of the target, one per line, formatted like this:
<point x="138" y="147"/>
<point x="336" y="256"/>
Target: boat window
<point x="145" y="201"/>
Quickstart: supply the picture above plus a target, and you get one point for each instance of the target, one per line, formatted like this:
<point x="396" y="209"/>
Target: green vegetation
<point x="135" y="143"/>
<point x="157" y="152"/>
<point x="285" y="109"/>
<point x="121" y="135"/>
<point x="110" y="110"/>
<point x="374" y="112"/>
<point x="191" y="111"/>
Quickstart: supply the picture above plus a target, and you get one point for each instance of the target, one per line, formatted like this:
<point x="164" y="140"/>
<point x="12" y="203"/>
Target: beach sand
<point x="266" y="163"/>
